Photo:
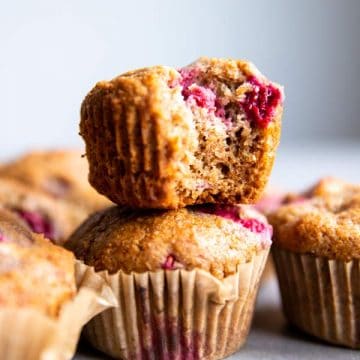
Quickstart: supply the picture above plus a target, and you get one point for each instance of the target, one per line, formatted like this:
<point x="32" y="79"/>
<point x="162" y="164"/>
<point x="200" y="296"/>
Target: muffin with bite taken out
<point x="164" y="138"/>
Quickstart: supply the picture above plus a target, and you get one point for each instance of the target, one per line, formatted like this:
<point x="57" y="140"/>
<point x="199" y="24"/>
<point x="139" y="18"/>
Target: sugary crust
<point x="34" y="273"/>
<point x="65" y="217"/>
<point x="60" y="173"/>
<point x="324" y="221"/>
<point x="141" y="141"/>
<point x="138" y="241"/>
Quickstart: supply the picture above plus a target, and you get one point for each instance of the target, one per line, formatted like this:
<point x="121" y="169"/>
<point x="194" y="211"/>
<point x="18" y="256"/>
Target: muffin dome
<point x="214" y="238"/>
<point x="60" y="173"/>
<point x="34" y="273"/>
<point x="324" y="221"/>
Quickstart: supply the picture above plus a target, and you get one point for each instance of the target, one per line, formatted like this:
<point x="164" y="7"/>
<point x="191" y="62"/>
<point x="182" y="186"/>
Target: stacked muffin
<point x="176" y="150"/>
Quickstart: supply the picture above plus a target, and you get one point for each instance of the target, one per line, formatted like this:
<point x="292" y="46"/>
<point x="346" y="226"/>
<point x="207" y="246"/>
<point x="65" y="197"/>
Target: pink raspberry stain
<point x="269" y="203"/>
<point x="299" y="200"/>
<point x="2" y="237"/>
<point x="201" y="96"/>
<point x="254" y="225"/>
<point x="169" y="263"/>
<point x="38" y="223"/>
<point x="188" y="76"/>
<point x="232" y="213"/>
<point x="169" y="339"/>
<point x="260" y="102"/>
<point x="192" y="92"/>
<point x="163" y="336"/>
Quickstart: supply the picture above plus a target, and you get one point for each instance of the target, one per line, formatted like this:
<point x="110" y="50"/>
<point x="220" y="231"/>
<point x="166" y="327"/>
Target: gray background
<point x="52" y="53"/>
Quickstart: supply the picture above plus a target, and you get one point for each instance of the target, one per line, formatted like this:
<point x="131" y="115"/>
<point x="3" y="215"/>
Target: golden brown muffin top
<point x="60" y="173"/>
<point x="324" y="221"/>
<point x="213" y="238"/>
<point x="41" y="213"/>
<point x="34" y="273"/>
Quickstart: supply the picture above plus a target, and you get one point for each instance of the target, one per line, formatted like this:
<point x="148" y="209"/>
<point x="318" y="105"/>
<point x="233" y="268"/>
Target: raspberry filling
<point x="202" y="96"/>
<point x="232" y="213"/>
<point x="2" y="237"/>
<point x="38" y="223"/>
<point x="169" y="263"/>
<point x="260" y="102"/>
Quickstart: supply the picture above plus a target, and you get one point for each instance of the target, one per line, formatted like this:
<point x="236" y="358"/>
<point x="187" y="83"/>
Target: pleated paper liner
<point x="28" y="334"/>
<point x="321" y="296"/>
<point x="177" y="314"/>
<point x="269" y="270"/>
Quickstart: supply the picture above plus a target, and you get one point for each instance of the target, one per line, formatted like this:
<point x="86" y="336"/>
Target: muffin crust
<point x="324" y="221"/>
<point x="62" y="174"/>
<point x="138" y="241"/>
<point x="34" y="273"/>
<point x="54" y="218"/>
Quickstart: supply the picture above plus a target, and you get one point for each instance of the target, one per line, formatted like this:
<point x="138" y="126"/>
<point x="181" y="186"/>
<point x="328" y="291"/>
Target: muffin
<point x="186" y="280"/>
<point x="316" y="253"/>
<point x="41" y="309"/>
<point x="62" y="174"/>
<point x="41" y="213"/>
<point x="164" y="138"/>
<point x="33" y="272"/>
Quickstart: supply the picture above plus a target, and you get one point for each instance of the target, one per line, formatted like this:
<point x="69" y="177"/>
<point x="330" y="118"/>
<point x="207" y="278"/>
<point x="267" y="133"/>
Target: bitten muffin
<point x="60" y="173"/>
<point x="164" y="138"/>
<point x="317" y="252"/>
<point x="33" y="272"/>
<point x="186" y="279"/>
<point x="41" y="213"/>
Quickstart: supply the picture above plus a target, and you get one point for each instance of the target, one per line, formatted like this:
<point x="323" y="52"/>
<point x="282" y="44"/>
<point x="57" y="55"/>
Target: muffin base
<point x="320" y="296"/>
<point x="177" y="314"/>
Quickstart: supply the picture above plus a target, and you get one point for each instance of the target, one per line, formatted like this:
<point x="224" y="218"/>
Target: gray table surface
<point x="270" y="336"/>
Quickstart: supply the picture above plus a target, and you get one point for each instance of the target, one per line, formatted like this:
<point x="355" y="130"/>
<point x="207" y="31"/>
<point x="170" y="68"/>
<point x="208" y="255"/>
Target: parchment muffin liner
<point x="177" y="314"/>
<point x="321" y="296"/>
<point x="29" y="334"/>
<point x="269" y="270"/>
